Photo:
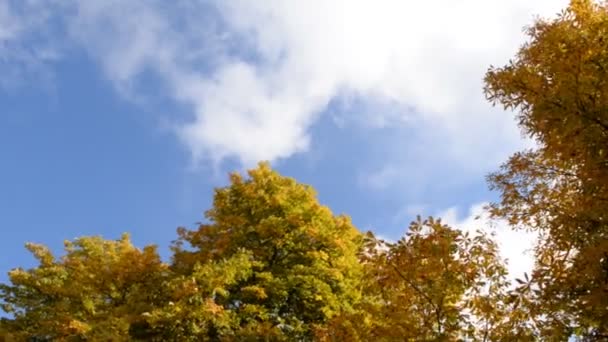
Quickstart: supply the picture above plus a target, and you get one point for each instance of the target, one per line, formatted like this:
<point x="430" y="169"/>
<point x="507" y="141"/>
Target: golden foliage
<point x="558" y="84"/>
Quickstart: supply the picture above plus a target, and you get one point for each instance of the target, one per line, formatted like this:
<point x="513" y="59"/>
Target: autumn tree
<point x="270" y="262"/>
<point x="97" y="291"/>
<point x="435" y="284"/>
<point x="299" y="261"/>
<point x="558" y="83"/>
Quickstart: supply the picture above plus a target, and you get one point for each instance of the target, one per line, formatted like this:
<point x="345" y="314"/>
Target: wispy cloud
<point x="8" y="25"/>
<point x="27" y="41"/>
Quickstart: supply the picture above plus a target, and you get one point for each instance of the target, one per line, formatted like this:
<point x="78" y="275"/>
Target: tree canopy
<point x="558" y="85"/>
<point x="271" y="261"/>
<point x="98" y="290"/>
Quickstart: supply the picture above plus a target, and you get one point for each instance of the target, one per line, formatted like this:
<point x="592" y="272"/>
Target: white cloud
<point x="515" y="245"/>
<point x="430" y="56"/>
<point x="257" y="74"/>
<point x="238" y="110"/>
<point x="427" y="55"/>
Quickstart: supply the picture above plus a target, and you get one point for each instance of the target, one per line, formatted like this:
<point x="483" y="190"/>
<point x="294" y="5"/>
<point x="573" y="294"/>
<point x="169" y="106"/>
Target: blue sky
<point x="122" y="116"/>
